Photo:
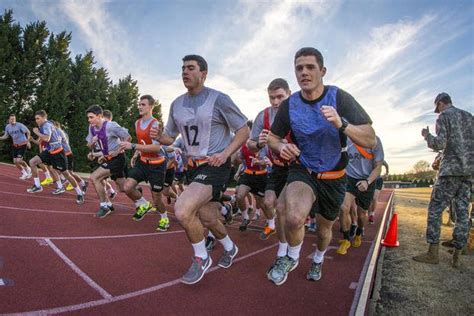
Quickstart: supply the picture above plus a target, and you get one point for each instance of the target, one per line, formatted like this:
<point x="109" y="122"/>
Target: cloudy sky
<point x="392" y="56"/>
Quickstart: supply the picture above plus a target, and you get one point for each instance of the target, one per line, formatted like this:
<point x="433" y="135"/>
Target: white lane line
<point x="92" y="237"/>
<point x="78" y="271"/>
<point x="122" y="297"/>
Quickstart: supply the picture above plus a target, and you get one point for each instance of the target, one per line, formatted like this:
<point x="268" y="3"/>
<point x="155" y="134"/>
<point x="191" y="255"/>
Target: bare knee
<point x="183" y="213"/>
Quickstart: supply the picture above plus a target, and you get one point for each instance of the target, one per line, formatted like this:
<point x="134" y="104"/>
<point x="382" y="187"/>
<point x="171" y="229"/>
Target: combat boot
<point x="431" y="256"/>
<point x="456" y="261"/>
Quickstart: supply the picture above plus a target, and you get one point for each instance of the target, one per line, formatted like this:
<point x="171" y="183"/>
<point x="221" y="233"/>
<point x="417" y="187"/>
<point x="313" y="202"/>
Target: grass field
<point x="412" y="288"/>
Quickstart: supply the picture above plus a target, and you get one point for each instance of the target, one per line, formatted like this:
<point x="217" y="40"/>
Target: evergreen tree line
<point x="37" y="72"/>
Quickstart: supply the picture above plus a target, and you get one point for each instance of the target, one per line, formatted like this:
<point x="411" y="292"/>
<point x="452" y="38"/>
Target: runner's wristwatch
<point x="344" y="125"/>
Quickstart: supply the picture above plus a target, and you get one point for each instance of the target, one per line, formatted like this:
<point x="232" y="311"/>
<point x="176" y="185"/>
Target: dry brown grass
<point x="412" y="288"/>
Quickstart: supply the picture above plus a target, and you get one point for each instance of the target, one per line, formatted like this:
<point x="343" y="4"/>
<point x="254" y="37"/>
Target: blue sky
<point x="392" y="56"/>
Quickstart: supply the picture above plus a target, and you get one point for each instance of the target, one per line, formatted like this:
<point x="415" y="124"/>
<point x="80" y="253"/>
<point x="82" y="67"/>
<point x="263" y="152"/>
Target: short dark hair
<point x="311" y="51"/>
<point x="11" y="115"/>
<point x="250" y="124"/>
<point x="107" y="114"/>
<point x="443" y="97"/>
<point x="95" y="109"/>
<point x="199" y="59"/>
<point x="278" y="83"/>
<point x="41" y="113"/>
<point x="148" y="97"/>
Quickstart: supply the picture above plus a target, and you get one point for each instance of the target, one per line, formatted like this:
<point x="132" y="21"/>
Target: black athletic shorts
<point x="57" y="161"/>
<point x="215" y="176"/>
<point x="363" y="199"/>
<point x="18" y="152"/>
<point x="179" y="177"/>
<point x="379" y="184"/>
<point x="153" y="174"/>
<point x="276" y="179"/>
<point x="117" y="166"/>
<point x="329" y="193"/>
<point x="70" y="162"/>
<point x="169" y="177"/>
<point x="256" y="183"/>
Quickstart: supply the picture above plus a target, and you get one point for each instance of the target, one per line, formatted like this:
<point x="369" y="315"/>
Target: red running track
<point x="56" y="257"/>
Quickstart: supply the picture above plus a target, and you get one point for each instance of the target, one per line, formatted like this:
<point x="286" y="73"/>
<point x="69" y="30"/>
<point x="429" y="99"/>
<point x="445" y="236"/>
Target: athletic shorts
<point x="153" y="174"/>
<point x="363" y="199"/>
<point x="169" y="177"/>
<point x="179" y="177"/>
<point x="379" y="184"/>
<point x="276" y="179"/>
<point x="18" y="152"/>
<point x="256" y="183"/>
<point x="329" y="193"/>
<point x="57" y="161"/>
<point x="117" y="166"/>
<point x="70" y="162"/>
<point x="215" y="176"/>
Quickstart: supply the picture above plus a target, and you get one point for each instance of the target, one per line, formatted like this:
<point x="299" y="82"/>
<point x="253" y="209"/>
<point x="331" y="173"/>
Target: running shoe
<point x="46" y="181"/>
<point x="24" y="176"/>
<point x="80" y="199"/>
<point x="163" y="225"/>
<point x="357" y="241"/>
<point x="104" y="211"/>
<point x="112" y="195"/>
<point x="198" y="267"/>
<point x="141" y="211"/>
<point x="58" y="191"/>
<point x="312" y="227"/>
<point x="34" y="189"/>
<point x="267" y="232"/>
<point x="314" y="273"/>
<point x="69" y="187"/>
<point x="279" y="273"/>
<point x="344" y="245"/>
<point x="274" y="264"/>
<point x="84" y="187"/>
<point x="227" y="257"/>
<point x="228" y="217"/>
<point x="244" y="225"/>
<point x="210" y="243"/>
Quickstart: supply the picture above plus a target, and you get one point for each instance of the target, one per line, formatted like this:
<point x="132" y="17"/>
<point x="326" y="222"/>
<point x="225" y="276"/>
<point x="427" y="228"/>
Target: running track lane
<point x="138" y="271"/>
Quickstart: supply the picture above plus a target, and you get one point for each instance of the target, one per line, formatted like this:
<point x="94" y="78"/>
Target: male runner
<point x="205" y="118"/>
<point x="318" y="118"/>
<point x="378" y="188"/>
<point x="20" y="135"/>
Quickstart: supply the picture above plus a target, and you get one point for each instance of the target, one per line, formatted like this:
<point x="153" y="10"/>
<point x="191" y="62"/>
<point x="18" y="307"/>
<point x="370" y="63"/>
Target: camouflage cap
<point x="439" y="97"/>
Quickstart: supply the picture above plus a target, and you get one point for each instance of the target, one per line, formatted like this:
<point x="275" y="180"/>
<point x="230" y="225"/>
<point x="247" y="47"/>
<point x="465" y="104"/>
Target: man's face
<point x="93" y="119"/>
<point x="308" y="73"/>
<point x="12" y="120"/>
<point x="192" y="76"/>
<point x="40" y="120"/>
<point x="277" y="96"/>
<point x="144" y="107"/>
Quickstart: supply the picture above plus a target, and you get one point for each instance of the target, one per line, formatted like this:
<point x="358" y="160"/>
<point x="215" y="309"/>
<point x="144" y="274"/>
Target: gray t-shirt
<point x="17" y="132"/>
<point x="114" y="134"/>
<point x="55" y="141"/>
<point x="360" y="167"/>
<point x="259" y="123"/>
<point x="205" y="126"/>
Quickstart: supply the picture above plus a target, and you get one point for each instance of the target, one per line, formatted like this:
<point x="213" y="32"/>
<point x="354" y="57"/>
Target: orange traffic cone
<point x="390" y="239"/>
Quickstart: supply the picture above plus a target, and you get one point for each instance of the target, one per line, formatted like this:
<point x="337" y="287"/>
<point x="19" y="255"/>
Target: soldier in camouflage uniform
<point x="454" y="129"/>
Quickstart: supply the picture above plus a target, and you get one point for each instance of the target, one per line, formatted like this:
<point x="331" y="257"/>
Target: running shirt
<point x="65" y="141"/>
<point x="142" y="128"/>
<point x="259" y="122"/>
<point x="362" y="160"/>
<point x="205" y="121"/>
<point x="55" y="141"/>
<point x="110" y="135"/>
<point x="319" y="141"/>
<point x="17" y="132"/>
<point x="248" y="157"/>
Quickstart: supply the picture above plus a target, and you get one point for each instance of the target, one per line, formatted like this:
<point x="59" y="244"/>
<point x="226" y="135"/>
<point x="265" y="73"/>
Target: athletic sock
<point x="24" y="172"/>
<point x="47" y="174"/>
<point x="319" y="255"/>
<point x="347" y="234"/>
<point x="110" y="191"/>
<point x="140" y="201"/>
<point x="245" y="214"/>
<point x="282" y="249"/>
<point x="109" y="204"/>
<point x="37" y="182"/>
<point x="78" y="190"/>
<point x="62" y="177"/>
<point x="59" y="184"/>
<point x="359" y="231"/>
<point x="227" y="243"/>
<point x="82" y="183"/>
<point x="164" y="215"/>
<point x="294" y="252"/>
<point x="271" y="223"/>
<point x="200" y="249"/>
<point x="103" y="204"/>
<point x="210" y="234"/>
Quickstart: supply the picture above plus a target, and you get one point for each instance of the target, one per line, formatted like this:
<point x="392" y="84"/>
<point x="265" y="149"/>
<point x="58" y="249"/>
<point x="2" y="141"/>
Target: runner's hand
<point x="36" y="130"/>
<point x="331" y="115"/>
<point x="125" y="145"/>
<point x="362" y="185"/>
<point x="289" y="151"/>
<point x="94" y="140"/>
<point x="28" y="145"/>
<point x="218" y="159"/>
<point x="263" y="138"/>
<point x="155" y="133"/>
<point x="425" y="131"/>
<point x="133" y="161"/>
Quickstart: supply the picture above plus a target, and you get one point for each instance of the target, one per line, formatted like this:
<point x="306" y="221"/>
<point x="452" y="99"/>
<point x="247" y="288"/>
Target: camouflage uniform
<point x="454" y="129"/>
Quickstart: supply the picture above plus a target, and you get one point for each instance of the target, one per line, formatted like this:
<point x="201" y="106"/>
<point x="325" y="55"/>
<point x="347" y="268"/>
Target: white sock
<point x="47" y="174"/>
<point x="200" y="249"/>
<point x="227" y="243"/>
<point x="108" y="204"/>
<point x="78" y="190"/>
<point x="28" y="169"/>
<point x="223" y="211"/>
<point x="164" y="215"/>
<point x="294" y="252"/>
<point x="82" y="183"/>
<point x="62" y="177"/>
<point x="210" y="234"/>
<point x="24" y="172"/>
<point x="102" y="204"/>
<point x="110" y="191"/>
<point x="282" y="249"/>
<point x="271" y="223"/>
<point x="245" y="214"/>
<point x="37" y="182"/>
<point x="59" y="184"/>
<point x="319" y="255"/>
<point x="140" y="201"/>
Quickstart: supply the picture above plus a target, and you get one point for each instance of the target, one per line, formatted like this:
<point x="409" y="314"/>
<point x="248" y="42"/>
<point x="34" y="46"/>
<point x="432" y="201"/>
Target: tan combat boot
<point x="431" y="256"/>
<point x="456" y="261"/>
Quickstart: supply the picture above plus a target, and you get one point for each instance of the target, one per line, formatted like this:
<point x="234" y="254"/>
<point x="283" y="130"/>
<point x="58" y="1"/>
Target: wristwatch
<point x="344" y="125"/>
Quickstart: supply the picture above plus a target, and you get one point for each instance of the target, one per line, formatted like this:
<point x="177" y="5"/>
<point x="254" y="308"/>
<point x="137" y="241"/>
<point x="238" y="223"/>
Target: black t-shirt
<point x="347" y="107"/>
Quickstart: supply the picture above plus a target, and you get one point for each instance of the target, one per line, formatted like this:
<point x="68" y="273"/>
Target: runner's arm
<point x="375" y="172"/>
<point x="4" y="136"/>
